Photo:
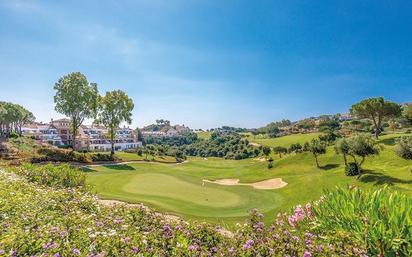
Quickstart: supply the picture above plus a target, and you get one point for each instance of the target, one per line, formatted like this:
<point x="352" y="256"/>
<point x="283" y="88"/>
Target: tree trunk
<point x="346" y="161"/>
<point x="112" y="141"/>
<point x="317" y="162"/>
<point x="74" y="141"/>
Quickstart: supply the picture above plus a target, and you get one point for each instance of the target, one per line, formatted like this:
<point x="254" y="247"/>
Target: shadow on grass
<point x="85" y="169"/>
<point x="378" y="178"/>
<point x="389" y="141"/>
<point x="329" y="166"/>
<point x="119" y="167"/>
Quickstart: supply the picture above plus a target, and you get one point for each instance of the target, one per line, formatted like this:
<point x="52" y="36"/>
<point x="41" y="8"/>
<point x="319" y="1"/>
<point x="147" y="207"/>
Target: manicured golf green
<point x="178" y="188"/>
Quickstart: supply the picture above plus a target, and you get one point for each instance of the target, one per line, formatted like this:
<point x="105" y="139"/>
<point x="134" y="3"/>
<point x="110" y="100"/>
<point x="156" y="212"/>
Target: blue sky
<point x="210" y="63"/>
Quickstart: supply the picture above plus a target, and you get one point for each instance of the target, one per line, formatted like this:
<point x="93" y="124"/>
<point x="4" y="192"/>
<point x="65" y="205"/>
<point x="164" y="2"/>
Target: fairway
<point x="179" y="188"/>
<point x="284" y="141"/>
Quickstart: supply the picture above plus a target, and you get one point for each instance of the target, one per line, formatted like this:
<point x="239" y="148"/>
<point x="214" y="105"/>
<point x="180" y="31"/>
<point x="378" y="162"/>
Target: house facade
<point x="43" y="132"/>
<point x="90" y="137"/>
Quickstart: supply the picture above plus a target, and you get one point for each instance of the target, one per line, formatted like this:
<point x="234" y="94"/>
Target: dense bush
<point x="382" y="219"/>
<point x="404" y="147"/>
<point x="61" y="176"/>
<point x="102" y="157"/>
<point x="352" y="169"/>
<point x="61" y="155"/>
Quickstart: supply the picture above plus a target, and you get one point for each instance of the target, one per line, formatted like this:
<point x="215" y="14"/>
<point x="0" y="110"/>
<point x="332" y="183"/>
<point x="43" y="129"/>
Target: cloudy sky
<point x="210" y="63"/>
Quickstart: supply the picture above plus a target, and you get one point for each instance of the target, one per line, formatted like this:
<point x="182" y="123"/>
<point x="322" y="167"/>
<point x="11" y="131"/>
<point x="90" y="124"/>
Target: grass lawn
<point x="177" y="188"/>
<point x="124" y="156"/>
<point x="284" y="141"/>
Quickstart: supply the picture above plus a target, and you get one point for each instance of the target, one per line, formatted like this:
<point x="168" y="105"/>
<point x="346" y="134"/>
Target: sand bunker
<point x="274" y="183"/>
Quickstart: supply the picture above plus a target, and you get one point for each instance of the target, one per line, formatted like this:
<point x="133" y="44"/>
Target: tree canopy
<point x="77" y="99"/>
<point x="13" y="117"/>
<point x="376" y="109"/>
<point x="115" y="107"/>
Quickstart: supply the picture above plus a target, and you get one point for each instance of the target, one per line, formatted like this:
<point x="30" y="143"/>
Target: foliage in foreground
<point x="382" y="219"/>
<point x="37" y="220"/>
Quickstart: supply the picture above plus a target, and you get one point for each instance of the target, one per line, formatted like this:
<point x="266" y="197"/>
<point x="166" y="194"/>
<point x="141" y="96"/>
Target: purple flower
<point x="307" y="254"/>
<point x="99" y="224"/>
<point x="248" y="245"/>
<point x="76" y="251"/>
<point x="1" y="251"/>
<point x="57" y="255"/>
<point x="135" y="249"/>
<point x="167" y="231"/>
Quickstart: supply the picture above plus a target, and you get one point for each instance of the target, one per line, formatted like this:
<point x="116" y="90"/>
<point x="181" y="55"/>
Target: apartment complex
<point x="90" y="137"/>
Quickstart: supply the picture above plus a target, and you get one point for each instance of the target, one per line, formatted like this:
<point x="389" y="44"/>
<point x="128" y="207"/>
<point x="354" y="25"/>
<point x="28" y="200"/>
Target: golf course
<point x="192" y="189"/>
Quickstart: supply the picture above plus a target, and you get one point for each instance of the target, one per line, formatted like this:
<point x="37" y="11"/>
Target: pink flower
<point x="307" y="254"/>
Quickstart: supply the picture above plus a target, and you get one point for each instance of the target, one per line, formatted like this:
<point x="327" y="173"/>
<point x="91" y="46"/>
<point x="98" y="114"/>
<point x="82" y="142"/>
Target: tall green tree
<point x="115" y="108"/>
<point x="24" y="117"/>
<point x="77" y="99"/>
<point x="317" y="147"/>
<point x="376" y="109"/>
<point x="13" y="117"/>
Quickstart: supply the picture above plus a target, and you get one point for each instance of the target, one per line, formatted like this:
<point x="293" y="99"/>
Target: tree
<point x="280" y="150"/>
<point x="77" y="99"/>
<point x="342" y="147"/>
<point x="361" y="145"/>
<point x="375" y="109"/>
<point x="24" y="117"/>
<point x="407" y="112"/>
<point x="115" y="108"/>
<point x="266" y="151"/>
<point x="13" y="117"/>
<point x="317" y="147"/>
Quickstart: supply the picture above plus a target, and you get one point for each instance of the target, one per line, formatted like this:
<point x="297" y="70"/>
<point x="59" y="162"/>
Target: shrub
<point x="62" y="155"/>
<point x="352" y="169"/>
<point x="102" y="157"/>
<point x="381" y="219"/>
<point x="404" y="147"/>
<point x="61" y="176"/>
<point x="14" y="135"/>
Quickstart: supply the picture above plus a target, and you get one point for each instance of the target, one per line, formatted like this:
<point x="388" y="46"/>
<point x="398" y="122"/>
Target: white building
<point x="96" y="138"/>
<point x="43" y="132"/>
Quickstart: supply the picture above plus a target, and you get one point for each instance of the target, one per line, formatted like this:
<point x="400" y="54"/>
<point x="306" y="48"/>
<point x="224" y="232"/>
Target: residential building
<point x="43" y="132"/>
<point x="92" y="138"/>
<point x="63" y="128"/>
<point x="96" y="138"/>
